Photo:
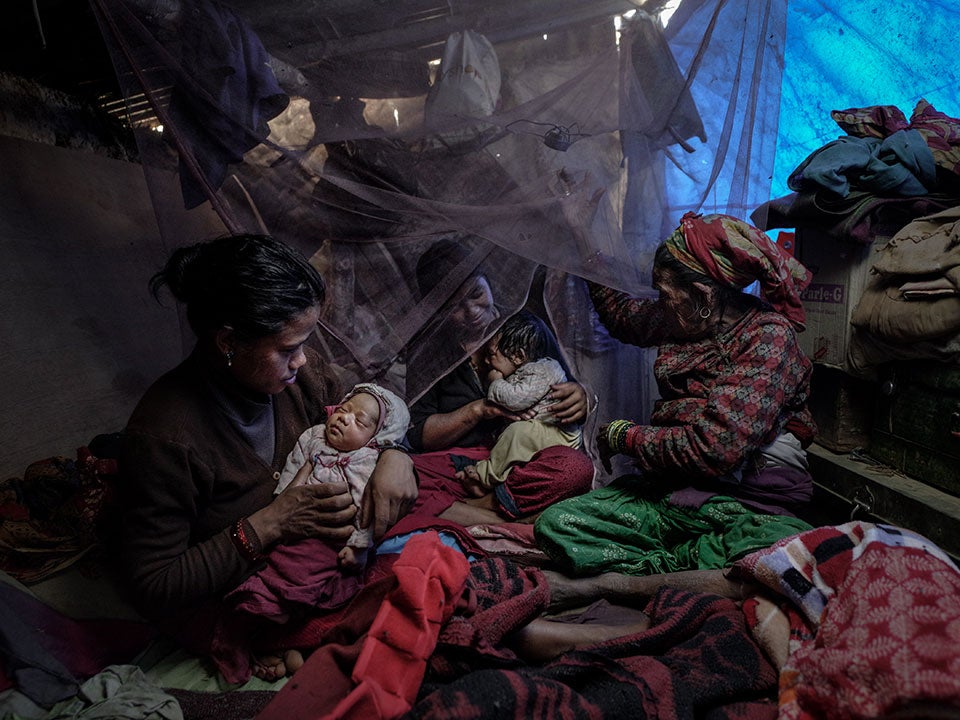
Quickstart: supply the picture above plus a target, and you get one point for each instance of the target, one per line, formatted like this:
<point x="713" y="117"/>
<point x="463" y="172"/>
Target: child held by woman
<point x="520" y="377"/>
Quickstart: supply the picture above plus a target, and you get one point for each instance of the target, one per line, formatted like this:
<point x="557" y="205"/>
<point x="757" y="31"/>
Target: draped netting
<point x="445" y="163"/>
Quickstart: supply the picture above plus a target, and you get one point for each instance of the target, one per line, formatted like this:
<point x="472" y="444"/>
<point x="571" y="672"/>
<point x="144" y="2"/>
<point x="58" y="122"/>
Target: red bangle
<point x="245" y="538"/>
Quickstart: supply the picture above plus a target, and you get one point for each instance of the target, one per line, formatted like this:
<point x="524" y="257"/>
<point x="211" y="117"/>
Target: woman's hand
<point x="570" y="404"/>
<point x="489" y="410"/>
<point x="603" y="448"/>
<point x="444" y="430"/>
<point x="320" y="510"/>
<point x="390" y="493"/>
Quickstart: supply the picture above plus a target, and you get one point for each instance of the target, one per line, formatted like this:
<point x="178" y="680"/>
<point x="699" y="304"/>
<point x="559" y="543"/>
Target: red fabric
<point x="325" y="678"/>
<point x="329" y="627"/>
<point x="501" y="597"/>
<point x="388" y="661"/>
<point x="439" y="488"/>
<point x="801" y="430"/>
<point x="889" y="638"/>
<point x="877" y="121"/>
<point x="392" y="663"/>
<point x="297" y="576"/>
<point x="552" y="474"/>
<point x="340" y="627"/>
<point x="302" y="573"/>
<point x="874" y="614"/>
<point x="941" y="132"/>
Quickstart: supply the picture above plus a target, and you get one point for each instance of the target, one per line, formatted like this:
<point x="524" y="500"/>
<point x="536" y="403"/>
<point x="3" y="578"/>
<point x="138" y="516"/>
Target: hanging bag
<point x="466" y="90"/>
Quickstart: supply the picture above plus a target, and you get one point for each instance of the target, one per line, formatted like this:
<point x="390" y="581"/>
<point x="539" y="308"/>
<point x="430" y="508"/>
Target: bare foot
<point x="293" y="659"/>
<point x="274" y="667"/>
<point x="470" y="479"/>
<point x="567" y="592"/>
<point x="269" y="667"/>
<point x="347" y="558"/>
<point x="542" y="640"/>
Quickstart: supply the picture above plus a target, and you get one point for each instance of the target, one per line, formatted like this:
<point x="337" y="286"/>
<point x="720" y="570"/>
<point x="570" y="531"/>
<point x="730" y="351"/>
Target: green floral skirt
<point x="615" y="529"/>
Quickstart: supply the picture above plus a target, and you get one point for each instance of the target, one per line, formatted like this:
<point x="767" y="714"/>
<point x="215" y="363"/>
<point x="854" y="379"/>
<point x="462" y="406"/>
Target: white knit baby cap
<point x="394" y="415"/>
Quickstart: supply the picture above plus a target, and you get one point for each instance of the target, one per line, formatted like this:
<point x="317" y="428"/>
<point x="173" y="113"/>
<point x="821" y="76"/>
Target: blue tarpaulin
<point x="841" y="55"/>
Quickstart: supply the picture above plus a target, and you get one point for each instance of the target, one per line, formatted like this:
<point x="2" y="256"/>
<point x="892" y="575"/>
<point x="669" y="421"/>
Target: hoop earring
<point x="229" y="356"/>
<point x="704" y="313"/>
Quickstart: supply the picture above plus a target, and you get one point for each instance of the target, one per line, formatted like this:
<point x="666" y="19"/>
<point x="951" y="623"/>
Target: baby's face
<point x="353" y="423"/>
<point x="498" y="361"/>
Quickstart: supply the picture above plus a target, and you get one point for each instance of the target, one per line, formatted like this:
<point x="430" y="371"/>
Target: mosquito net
<point x="446" y="163"/>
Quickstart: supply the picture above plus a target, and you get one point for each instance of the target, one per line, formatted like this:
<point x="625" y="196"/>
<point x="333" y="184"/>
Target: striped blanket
<point x="697" y="660"/>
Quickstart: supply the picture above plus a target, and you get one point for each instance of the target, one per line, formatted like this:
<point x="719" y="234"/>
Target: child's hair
<point x="527" y="336"/>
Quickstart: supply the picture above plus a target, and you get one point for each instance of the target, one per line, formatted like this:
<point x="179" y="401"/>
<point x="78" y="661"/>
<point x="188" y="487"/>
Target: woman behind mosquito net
<point x="453" y="422"/>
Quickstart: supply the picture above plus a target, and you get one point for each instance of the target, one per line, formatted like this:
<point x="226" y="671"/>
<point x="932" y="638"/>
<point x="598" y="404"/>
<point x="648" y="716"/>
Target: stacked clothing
<point x="886" y="171"/>
<point x="910" y="307"/>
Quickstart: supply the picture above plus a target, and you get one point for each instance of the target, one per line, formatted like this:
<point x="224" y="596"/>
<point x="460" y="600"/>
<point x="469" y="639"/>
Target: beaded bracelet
<point x="245" y="538"/>
<point x="617" y="434"/>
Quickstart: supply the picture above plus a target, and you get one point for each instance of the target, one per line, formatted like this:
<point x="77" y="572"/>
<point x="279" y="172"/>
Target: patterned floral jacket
<point x="722" y="398"/>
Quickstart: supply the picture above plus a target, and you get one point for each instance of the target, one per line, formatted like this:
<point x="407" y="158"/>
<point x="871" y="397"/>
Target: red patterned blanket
<point x="874" y="616"/>
<point x="698" y="659"/>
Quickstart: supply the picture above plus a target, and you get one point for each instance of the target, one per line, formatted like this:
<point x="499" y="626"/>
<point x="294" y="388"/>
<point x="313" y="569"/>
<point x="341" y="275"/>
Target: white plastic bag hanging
<point x="467" y="88"/>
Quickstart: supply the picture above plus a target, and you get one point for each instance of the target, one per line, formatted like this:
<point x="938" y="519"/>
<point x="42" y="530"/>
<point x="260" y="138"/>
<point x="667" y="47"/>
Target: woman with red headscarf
<point x="721" y="466"/>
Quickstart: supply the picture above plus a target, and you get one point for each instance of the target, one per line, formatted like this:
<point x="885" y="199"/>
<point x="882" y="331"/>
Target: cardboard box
<point x="840" y="271"/>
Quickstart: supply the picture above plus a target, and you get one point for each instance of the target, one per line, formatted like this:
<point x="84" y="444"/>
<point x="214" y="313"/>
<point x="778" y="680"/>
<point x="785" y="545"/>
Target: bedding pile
<point x="884" y="172"/>
<point x="853" y="621"/>
<point x="873" y="617"/>
<point x="894" y="183"/>
<point x="697" y="659"/>
<point x="52" y="516"/>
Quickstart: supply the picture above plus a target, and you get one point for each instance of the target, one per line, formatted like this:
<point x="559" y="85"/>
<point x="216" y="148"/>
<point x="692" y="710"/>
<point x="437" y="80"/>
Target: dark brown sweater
<point x="188" y="475"/>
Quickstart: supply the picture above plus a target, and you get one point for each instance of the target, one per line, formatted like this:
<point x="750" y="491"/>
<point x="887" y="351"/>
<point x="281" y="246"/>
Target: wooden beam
<point x="511" y="21"/>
